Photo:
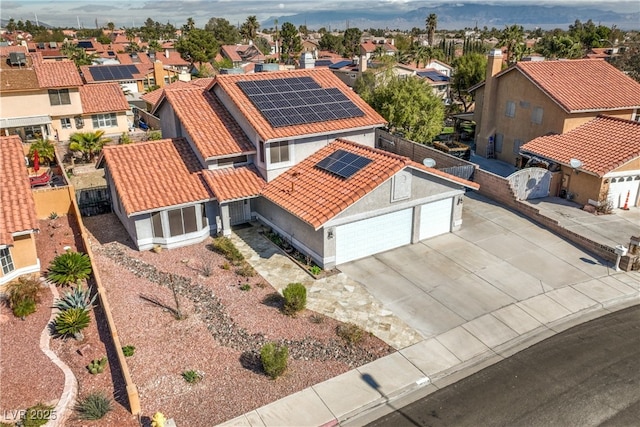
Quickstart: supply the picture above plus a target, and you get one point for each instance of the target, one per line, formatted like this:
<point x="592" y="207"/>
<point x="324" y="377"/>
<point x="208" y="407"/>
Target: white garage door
<point x="371" y="236"/>
<point x="622" y="186"/>
<point x="435" y="218"/>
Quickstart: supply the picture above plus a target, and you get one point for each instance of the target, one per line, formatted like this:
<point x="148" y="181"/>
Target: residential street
<point x="586" y="376"/>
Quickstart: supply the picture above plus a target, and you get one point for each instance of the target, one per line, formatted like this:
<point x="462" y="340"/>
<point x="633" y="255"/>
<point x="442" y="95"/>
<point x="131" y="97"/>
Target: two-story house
<point x="47" y="99"/>
<point x="293" y="149"/>
<point x="532" y="99"/>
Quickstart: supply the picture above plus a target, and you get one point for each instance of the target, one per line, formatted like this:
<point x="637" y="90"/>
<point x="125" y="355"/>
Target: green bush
<point x="72" y="322"/>
<point x="274" y="359"/>
<point x="128" y="350"/>
<point x="225" y="246"/>
<point x="23" y="295"/>
<point x="295" y="298"/>
<point x="78" y="297"/>
<point x="315" y="270"/>
<point x="245" y="270"/>
<point x="192" y="376"/>
<point x="351" y="333"/>
<point x="69" y="267"/>
<point x="245" y="287"/>
<point x="37" y="415"/>
<point x="93" y="407"/>
<point x="97" y="366"/>
<point x="155" y="135"/>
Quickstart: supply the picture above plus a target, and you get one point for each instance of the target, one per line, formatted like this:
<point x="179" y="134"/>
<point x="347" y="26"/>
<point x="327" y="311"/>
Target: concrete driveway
<point x="498" y="258"/>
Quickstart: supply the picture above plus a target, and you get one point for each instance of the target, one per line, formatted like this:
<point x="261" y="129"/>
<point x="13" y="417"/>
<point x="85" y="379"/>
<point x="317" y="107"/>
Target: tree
<point x="45" y="148"/>
<point x="511" y="37"/>
<point x="197" y="46"/>
<point x="263" y="45"/>
<point x="130" y="34"/>
<point x="223" y="31"/>
<point x="250" y="28"/>
<point x="351" y="42"/>
<point x="291" y="42"/>
<point x="190" y="25"/>
<point x="553" y="47"/>
<point x="432" y="24"/>
<point x="410" y="107"/>
<point x="424" y="55"/>
<point x="77" y="54"/>
<point x="628" y="60"/>
<point x="470" y="70"/>
<point x="331" y="43"/>
<point x="88" y="143"/>
<point x="402" y="43"/>
<point x="111" y="26"/>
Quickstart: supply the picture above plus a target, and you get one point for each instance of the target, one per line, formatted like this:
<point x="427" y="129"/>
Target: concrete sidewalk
<point x="568" y="291"/>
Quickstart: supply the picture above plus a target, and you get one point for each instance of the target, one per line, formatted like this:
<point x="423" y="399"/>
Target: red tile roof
<point x="583" y="84"/>
<point x="156" y="174"/>
<point x="324" y="77"/>
<point x="316" y="196"/>
<point x="52" y="74"/>
<point x="174" y="59"/>
<point x="602" y="145"/>
<point x="234" y="183"/>
<point x="5" y="50"/>
<point x="18" y="208"/>
<point x="103" y="98"/>
<point x="143" y="70"/>
<point x="154" y="96"/>
<point x="211" y="127"/>
<point x="242" y="52"/>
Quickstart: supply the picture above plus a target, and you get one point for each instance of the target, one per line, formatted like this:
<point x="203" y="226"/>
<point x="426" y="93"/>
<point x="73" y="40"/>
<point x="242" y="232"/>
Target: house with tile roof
<point x="48" y="99"/>
<point x="18" y="222"/>
<point x="532" y="99"/>
<point x="242" y="54"/>
<point x="293" y="149"/>
<point x="598" y="161"/>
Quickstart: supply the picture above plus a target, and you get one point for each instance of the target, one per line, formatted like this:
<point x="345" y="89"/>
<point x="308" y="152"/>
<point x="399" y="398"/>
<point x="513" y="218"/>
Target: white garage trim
<point x="435" y="218"/>
<point x="620" y="187"/>
<point x="370" y="236"/>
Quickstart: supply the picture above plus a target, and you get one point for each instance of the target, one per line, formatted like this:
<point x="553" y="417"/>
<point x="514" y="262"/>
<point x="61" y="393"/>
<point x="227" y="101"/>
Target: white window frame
<point x="104" y="120"/>
<point x="277" y="148"/>
<point x="65" y="123"/>
<point x="6" y="260"/>
<point x="510" y="110"/>
<point x="536" y="115"/>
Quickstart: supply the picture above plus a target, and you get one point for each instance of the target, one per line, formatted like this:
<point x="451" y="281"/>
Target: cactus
<point x="97" y="366"/>
<point x="79" y="297"/>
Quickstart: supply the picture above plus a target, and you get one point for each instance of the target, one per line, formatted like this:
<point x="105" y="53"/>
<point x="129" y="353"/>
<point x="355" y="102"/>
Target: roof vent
<point x="17" y="58"/>
<point x="53" y="45"/>
<point x="40" y="45"/>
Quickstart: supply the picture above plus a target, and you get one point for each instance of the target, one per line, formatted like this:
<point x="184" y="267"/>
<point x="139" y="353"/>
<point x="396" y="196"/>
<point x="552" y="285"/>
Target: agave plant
<point x="71" y="322"/>
<point x="78" y="297"/>
<point x="69" y="267"/>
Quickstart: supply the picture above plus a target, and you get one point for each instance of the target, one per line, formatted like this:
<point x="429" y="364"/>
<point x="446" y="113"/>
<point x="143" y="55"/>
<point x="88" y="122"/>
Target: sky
<point x="134" y="13"/>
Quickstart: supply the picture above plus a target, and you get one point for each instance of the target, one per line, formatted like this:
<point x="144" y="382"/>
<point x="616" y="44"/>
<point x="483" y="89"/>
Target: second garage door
<point x="624" y="186"/>
<point x="371" y="236"/>
<point x="435" y="218"/>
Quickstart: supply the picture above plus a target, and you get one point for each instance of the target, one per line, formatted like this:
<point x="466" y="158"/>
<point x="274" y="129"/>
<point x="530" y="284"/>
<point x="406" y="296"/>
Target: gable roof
<point x="234" y="183"/>
<point x="103" y="98"/>
<point x="18" y="208"/>
<point x="602" y="145"/>
<point x="316" y="196"/>
<point x="155" y="174"/>
<point x="54" y="74"/>
<point x="324" y="77"/>
<point x="155" y="95"/>
<point x="242" y="52"/>
<point x="580" y="85"/>
<point x="213" y="130"/>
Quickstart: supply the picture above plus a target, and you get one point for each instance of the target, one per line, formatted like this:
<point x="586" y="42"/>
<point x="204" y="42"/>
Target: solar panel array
<point x="85" y="44"/>
<point x="340" y="64"/>
<point x="433" y="75"/>
<point x="298" y="100"/>
<point x="343" y="163"/>
<point x="113" y="72"/>
<point x="323" y="62"/>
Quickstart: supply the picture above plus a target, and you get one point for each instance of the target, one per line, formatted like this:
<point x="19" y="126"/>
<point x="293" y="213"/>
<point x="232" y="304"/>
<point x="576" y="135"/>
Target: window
<point x="499" y="139"/>
<point x="517" y="143"/>
<point x="65" y="122"/>
<point x="536" y="115"/>
<point x="261" y="152"/>
<point x="511" y="109"/>
<point x="104" y="120"/>
<point x="6" y="261"/>
<point x="156" y="223"/>
<point x="59" y="97"/>
<point x="279" y="152"/>
<point x="182" y="221"/>
<point x="230" y="161"/>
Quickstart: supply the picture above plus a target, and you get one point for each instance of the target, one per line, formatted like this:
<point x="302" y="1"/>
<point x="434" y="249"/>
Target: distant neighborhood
<point x="166" y="169"/>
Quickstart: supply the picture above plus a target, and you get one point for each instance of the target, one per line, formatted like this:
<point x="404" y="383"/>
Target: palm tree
<point x="77" y="54"/>
<point x="130" y="34"/>
<point x="111" y="26"/>
<point x="45" y="148"/>
<point x="88" y="143"/>
<point x="432" y="24"/>
<point x="511" y="37"/>
<point x="251" y="25"/>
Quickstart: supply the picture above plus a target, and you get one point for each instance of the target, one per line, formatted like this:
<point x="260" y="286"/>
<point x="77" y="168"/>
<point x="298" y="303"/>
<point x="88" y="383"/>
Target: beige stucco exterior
<point x="24" y="257"/>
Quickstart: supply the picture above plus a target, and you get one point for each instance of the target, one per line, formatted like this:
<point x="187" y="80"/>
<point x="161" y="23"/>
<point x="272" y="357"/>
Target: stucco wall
<point x="633" y="165"/>
<point x="24" y="256"/>
<point x="582" y="186"/>
<point x="52" y="199"/>
<point x="27" y="104"/>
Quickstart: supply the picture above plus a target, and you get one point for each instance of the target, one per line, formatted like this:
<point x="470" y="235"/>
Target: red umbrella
<point x="36" y="161"/>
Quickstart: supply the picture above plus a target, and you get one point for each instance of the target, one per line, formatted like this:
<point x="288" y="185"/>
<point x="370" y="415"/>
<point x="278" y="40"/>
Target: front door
<point x="239" y="212"/>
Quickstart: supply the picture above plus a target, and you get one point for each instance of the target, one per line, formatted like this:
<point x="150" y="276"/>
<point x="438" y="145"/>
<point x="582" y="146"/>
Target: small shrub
<point x="23" y="295"/>
<point x="261" y="284"/>
<point x="69" y="267"/>
<point x="24" y="308"/>
<point x="295" y="298"/>
<point x="315" y="270"/>
<point x="93" y="407"/>
<point x="78" y="297"/>
<point x="158" y="420"/>
<point x="124" y="138"/>
<point x="245" y="287"/>
<point x="53" y="215"/>
<point x="245" y="270"/>
<point x="226" y="266"/>
<point x="225" y="247"/>
<point x="97" y="366"/>
<point x="316" y="318"/>
<point x="128" y="350"/>
<point x="37" y="415"/>
<point x="192" y="376"/>
<point x="274" y="359"/>
<point x="351" y="333"/>
<point x="71" y="322"/>
<point x="155" y="135"/>
<point x="207" y="271"/>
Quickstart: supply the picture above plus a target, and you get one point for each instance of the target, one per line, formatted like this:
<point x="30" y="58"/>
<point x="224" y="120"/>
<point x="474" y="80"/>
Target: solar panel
<point x="433" y="75"/>
<point x="85" y="44"/>
<point x="113" y="72"/>
<point x="298" y="100"/>
<point x="323" y="62"/>
<point x="340" y="64"/>
<point x="343" y="163"/>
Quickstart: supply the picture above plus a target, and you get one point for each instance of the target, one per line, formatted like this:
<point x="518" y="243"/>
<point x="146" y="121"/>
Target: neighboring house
<point x="371" y="47"/>
<point x="18" y="222"/>
<point x="606" y="153"/>
<point x="47" y="99"/>
<point x="532" y="99"/>
<point x="441" y="67"/>
<point x="242" y="54"/>
<point x="293" y="149"/>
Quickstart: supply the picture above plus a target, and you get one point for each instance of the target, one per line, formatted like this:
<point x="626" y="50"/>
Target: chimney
<point x="494" y="64"/>
<point x="363" y="63"/>
<point x="488" y="111"/>
<point x="166" y="53"/>
<point x="158" y="73"/>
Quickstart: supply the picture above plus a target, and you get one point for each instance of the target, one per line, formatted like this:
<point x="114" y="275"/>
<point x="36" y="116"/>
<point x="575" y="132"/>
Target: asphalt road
<point x="586" y="376"/>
